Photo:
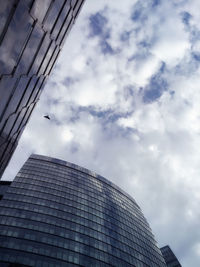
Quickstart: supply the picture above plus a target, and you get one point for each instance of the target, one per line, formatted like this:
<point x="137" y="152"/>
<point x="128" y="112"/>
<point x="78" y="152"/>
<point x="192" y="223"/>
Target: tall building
<point x="32" y="33"/>
<point x="170" y="259"/>
<point x="56" y="213"/>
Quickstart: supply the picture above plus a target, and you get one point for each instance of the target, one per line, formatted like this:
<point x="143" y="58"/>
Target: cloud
<point x="124" y="102"/>
<point x="144" y="69"/>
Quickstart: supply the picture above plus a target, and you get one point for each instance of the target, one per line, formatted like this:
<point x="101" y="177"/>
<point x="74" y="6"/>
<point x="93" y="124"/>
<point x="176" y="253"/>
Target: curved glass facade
<point x="32" y="33"/>
<point x="58" y="214"/>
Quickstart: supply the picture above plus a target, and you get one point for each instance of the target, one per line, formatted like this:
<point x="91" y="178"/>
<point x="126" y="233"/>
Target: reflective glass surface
<point x="64" y="213"/>
<point x="32" y="33"/>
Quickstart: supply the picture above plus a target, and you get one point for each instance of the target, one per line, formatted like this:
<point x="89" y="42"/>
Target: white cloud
<point x="79" y="64"/>
<point x="142" y="71"/>
<point x="150" y="150"/>
<point x="172" y="41"/>
<point x="146" y="119"/>
<point x="66" y="134"/>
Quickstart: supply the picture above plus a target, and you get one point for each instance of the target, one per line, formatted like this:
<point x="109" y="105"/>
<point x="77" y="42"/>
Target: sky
<point x="124" y="101"/>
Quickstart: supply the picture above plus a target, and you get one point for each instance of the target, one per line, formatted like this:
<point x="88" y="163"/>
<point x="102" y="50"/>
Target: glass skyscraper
<point x="32" y="33"/>
<point x="56" y="213"/>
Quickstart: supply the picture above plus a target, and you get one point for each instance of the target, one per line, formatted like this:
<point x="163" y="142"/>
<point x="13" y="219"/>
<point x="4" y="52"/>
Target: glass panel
<point x="30" y="50"/>
<point x="77" y="8"/>
<point x="40" y="55"/>
<point x="52" y="61"/>
<point x="16" y="97"/>
<point x="9" y="124"/>
<point x="68" y="29"/>
<point x="5" y="13"/>
<point x="64" y="26"/>
<point x="18" y="122"/>
<point x="26" y="118"/>
<point x="61" y="19"/>
<point x="40" y="8"/>
<point x="52" y="15"/>
<point x="28" y="2"/>
<point x="7" y="84"/>
<point x="28" y="92"/>
<point x="37" y="88"/>
<point x="46" y="58"/>
<point x="13" y="43"/>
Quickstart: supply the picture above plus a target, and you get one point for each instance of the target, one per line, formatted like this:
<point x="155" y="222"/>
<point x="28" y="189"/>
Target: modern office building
<point x="170" y="259"/>
<point x="56" y="213"/>
<point x="32" y="33"/>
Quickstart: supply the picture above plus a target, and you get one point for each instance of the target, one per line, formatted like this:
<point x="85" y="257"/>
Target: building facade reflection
<point x="59" y="214"/>
<point x="32" y="34"/>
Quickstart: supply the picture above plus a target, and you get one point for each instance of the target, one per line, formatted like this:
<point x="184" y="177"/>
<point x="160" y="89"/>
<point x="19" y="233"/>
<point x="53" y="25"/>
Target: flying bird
<point x="47" y="117"/>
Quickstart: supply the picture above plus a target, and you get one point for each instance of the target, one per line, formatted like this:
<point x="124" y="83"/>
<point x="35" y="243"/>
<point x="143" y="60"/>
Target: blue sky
<point x="124" y="101"/>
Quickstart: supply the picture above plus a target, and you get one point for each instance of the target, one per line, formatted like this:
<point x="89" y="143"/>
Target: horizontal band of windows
<point x="67" y="192"/>
<point x="85" y="172"/>
<point x="62" y="253"/>
<point x="35" y="215"/>
<point x="83" y="186"/>
<point x="60" y="198"/>
<point x="41" y="260"/>
<point x="119" y="244"/>
<point x="58" y="240"/>
<point x="80" y="222"/>
<point x="73" y="173"/>
<point x="33" y="198"/>
<point x="91" y="181"/>
<point x="72" y="243"/>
